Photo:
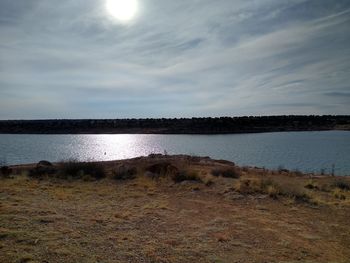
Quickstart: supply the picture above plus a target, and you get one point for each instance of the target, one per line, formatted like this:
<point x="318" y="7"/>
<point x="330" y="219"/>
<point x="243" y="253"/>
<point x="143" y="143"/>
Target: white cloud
<point x="191" y="57"/>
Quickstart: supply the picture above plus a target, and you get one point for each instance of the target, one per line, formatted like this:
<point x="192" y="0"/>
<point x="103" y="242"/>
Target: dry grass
<point x="263" y="218"/>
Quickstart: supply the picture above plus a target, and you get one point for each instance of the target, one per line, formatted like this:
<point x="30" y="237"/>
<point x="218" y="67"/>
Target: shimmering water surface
<point x="306" y="151"/>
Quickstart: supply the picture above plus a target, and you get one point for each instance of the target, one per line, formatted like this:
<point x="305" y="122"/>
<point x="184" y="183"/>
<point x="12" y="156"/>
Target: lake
<point x="305" y="151"/>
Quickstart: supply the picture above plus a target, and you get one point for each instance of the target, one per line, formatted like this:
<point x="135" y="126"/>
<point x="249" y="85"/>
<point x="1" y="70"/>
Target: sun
<point x="122" y="10"/>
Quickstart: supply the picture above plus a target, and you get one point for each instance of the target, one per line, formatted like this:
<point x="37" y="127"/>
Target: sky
<point x="184" y="58"/>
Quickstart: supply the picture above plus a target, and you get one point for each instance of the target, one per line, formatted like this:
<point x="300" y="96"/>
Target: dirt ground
<point x="147" y="220"/>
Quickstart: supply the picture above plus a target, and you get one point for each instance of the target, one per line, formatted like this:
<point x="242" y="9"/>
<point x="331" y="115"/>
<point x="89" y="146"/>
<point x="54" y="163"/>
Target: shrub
<point x="79" y="170"/>
<point x="185" y="175"/>
<point x="245" y="169"/>
<point x="262" y="186"/>
<point x="162" y="169"/>
<point x="124" y="172"/>
<point x="270" y="187"/>
<point x="248" y="186"/>
<point x="41" y="169"/>
<point x="281" y="169"/>
<point x="295" y="192"/>
<point x="339" y="194"/>
<point x="208" y="182"/>
<point x="273" y="191"/>
<point x="227" y="172"/>
<point x="297" y="172"/>
<point x="5" y="171"/>
<point x="311" y="185"/>
<point x="341" y="184"/>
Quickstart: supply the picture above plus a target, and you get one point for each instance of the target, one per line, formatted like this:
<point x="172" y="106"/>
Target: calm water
<point x="306" y="151"/>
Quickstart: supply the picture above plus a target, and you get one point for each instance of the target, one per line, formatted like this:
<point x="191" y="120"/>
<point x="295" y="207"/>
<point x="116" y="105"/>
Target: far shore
<point x="222" y="125"/>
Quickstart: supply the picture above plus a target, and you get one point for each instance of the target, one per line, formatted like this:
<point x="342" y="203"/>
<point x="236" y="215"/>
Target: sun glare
<point x="122" y="10"/>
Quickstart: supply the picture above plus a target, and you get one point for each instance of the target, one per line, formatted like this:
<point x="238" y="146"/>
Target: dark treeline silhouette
<point x="222" y="125"/>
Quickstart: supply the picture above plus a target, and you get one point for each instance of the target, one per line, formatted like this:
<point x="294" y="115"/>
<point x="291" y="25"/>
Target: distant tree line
<point x="222" y="125"/>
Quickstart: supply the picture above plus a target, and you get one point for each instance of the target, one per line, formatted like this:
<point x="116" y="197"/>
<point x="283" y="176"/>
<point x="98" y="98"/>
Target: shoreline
<point x="198" y="134"/>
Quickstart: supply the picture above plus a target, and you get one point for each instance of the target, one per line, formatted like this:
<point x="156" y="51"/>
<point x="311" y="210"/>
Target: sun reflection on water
<point x="107" y="147"/>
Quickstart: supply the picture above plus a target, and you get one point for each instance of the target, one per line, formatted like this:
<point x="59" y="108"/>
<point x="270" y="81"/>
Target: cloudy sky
<point x="184" y="58"/>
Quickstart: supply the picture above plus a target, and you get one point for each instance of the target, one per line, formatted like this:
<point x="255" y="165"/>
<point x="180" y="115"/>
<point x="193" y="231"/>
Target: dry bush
<point x="341" y="184"/>
<point x="186" y="175"/>
<point x="248" y="186"/>
<point x="208" y="181"/>
<point x="295" y="192"/>
<point x="5" y="171"/>
<point x="337" y="193"/>
<point x="297" y="172"/>
<point x="282" y="170"/>
<point x="124" y="172"/>
<point x="273" y="189"/>
<point x="81" y="170"/>
<point x="43" y="168"/>
<point x="161" y="169"/>
<point x="232" y="172"/>
<point x="258" y="186"/>
<point x="245" y="169"/>
<point x="311" y="185"/>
